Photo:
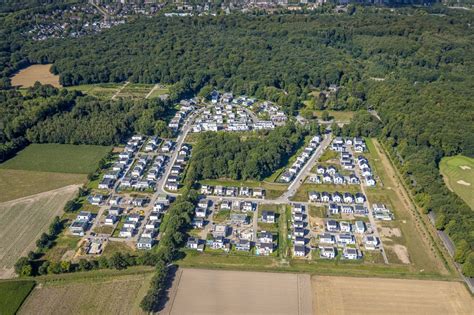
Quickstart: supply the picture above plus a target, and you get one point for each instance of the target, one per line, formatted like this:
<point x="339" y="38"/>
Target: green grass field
<point x="102" y="90"/>
<point x="339" y="116"/>
<point x="135" y="91"/>
<point x="101" y="292"/>
<point x="17" y="183"/>
<point x="12" y="295"/>
<point x="458" y="173"/>
<point x="60" y="158"/>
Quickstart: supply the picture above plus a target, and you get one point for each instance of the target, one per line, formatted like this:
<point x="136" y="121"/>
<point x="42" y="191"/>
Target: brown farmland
<point x="343" y="295"/>
<point x="233" y="292"/>
<point x="28" y="76"/>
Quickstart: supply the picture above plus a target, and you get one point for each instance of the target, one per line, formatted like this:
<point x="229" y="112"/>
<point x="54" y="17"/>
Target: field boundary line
<point x="41" y="194"/>
<point x="174" y="292"/>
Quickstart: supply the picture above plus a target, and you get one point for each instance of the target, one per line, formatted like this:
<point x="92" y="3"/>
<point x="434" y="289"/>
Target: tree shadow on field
<point x="172" y="272"/>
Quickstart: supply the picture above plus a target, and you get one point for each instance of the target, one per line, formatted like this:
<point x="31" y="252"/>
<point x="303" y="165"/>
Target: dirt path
<point x="152" y="90"/>
<point x="120" y="90"/>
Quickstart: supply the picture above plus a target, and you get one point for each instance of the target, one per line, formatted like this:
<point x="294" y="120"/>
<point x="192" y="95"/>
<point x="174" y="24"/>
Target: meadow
<point x="17" y="183"/>
<point x="458" y="174"/>
<point x="90" y="294"/>
<point x="101" y="90"/>
<point x="12" y="294"/>
<point x="61" y="158"/>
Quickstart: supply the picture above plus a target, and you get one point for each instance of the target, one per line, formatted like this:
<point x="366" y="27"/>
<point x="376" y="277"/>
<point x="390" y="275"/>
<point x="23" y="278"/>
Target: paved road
<point x="295" y="185"/>
<point x="373" y="223"/>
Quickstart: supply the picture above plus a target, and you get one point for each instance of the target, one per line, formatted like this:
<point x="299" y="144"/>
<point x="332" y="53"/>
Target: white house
<point x="299" y="251"/>
<point x="327" y="252"/>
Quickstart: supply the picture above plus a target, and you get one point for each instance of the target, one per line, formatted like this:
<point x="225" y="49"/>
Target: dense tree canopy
<point x="227" y="155"/>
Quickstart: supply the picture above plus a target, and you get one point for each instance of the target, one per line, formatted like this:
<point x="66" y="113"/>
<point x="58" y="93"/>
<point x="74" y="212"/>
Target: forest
<point x="255" y="156"/>
<point x="414" y="66"/>
<point x="44" y="114"/>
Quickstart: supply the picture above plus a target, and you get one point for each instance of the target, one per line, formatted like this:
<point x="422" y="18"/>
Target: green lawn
<point x="339" y="116"/>
<point x="12" y="295"/>
<point x="458" y="173"/>
<point x="58" y="158"/>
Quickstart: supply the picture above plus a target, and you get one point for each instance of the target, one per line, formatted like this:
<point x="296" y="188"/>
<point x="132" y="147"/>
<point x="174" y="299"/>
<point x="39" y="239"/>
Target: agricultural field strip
<point x="23" y="220"/>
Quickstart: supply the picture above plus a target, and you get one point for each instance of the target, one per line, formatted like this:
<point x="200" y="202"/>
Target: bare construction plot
<point x="343" y="295"/>
<point x="23" y="220"/>
<point x="234" y="292"/>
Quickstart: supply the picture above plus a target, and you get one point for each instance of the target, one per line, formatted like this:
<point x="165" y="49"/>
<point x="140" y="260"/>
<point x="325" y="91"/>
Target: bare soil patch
<point x="462" y="182"/>
<point x="28" y="76"/>
<point x="390" y="232"/>
<point x="402" y="253"/>
<point x="344" y="295"/>
<point x="233" y="292"/>
<point x="465" y="167"/>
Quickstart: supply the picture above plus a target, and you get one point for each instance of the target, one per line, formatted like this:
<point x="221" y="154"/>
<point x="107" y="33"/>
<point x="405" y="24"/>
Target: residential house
<point x="348" y="198"/>
<point x="327" y="238"/>
<point x="369" y="181"/>
<point x="78" y="227"/>
<point x="359" y="198"/>
<point x="192" y="243"/>
<point x="110" y="219"/>
<point x="200" y="212"/>
<point x="299" y="241"/>
<point x="327" y="252"/>
<point x="338" y="179"/>
<point x="243" y="245"/>
<point x="360" y="210"/>
<point x="314" y="196"/>
<point x="299" y="251"/>
<point x="220" y="230"/>
<point x="332" y="225"/>
<point x="106" y="183"/>
<point x="116" y="211"/>
<point x="347" y="209"/>
<point x="247" y="206"/>
<point x="145" y="243"/>
<point x="258" y="192"/>
<point x="268" y="216"/>
<point x="350" y="253"/>
<point x="126" y="232"/>
<point x="203" y="203"/>
<point x="344" y="239"/>
<point x="320" y="169"/>
<point x="198" y="223"/>
<point x="298" y="232"/>
<point x="325" y="197"/>
<point x="206" y="190"/>
<point x="371" y="242"/>
<point x="226" y="205"/>
<point x="359" y="227"/>
<point x="327" y="179"/>
<point x="337" y="197"/>
<point x="345" y="226"/>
